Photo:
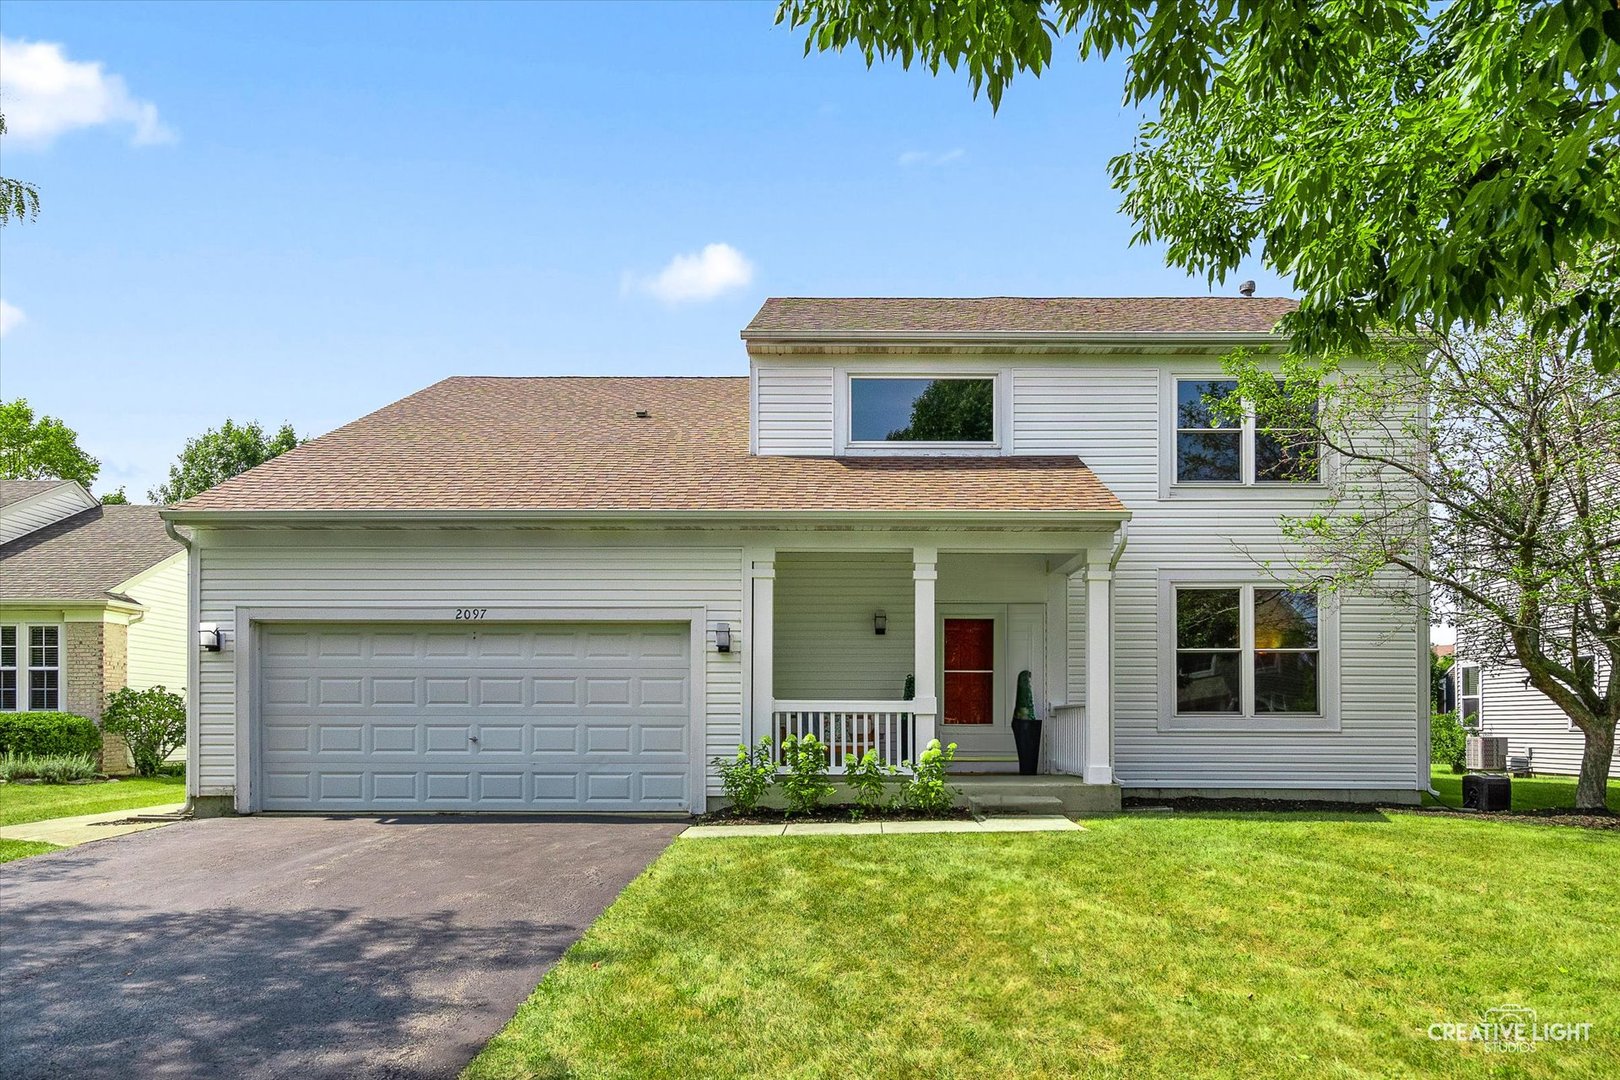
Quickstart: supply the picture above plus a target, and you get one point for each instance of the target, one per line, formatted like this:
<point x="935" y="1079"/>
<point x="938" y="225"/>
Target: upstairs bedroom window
<point x="1212" y="447"/>
<point x="946" y="410"/>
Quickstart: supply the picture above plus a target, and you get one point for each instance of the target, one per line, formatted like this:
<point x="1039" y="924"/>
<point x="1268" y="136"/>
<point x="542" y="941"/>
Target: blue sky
<point x="302" y="212"/>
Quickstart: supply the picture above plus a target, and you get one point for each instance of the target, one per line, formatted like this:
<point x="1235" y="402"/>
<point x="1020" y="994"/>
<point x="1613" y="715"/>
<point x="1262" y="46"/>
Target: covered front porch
<point x="871" y="645"/>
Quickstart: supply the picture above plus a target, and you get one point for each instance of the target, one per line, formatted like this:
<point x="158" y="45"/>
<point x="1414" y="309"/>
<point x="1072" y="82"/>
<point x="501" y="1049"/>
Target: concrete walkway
<point x="1020" y="823"/>
<point x="73" y="831"/>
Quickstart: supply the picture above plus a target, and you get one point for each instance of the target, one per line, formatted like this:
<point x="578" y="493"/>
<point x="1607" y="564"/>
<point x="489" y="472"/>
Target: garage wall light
<point x="880" y="622"/>
<point x="722" y="638"/>
<point x="208" y="638"/>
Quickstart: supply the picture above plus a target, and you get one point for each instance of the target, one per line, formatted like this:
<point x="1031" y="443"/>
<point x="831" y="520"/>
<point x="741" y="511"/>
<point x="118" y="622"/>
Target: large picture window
<point x="30" y="668"/>
<point x="922" y="410"/>
<point x="1212" y="447"/>
<point x="1244" y="650"/>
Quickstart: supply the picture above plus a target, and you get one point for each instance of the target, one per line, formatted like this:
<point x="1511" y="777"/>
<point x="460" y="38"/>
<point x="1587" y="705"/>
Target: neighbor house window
<point x="1468" y="696"/>
<point x="30" y="668"/>
<point x="1214" y="447"/>
<point x="922" y="410"/>
<point x="1247" y="651"/>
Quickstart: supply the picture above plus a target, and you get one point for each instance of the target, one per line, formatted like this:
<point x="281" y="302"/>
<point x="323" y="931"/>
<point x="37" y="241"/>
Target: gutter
<point x="655" y="518"/>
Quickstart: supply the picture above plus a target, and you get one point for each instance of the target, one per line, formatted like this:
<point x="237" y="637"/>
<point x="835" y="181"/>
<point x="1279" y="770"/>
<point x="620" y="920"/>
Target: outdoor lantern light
<point x="208" y="637"/>
<point x="722" y="638"/>
<point x="880" y="622"/>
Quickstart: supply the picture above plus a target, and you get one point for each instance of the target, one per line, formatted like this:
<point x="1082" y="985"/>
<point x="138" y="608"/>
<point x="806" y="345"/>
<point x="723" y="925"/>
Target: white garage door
<point x="494" y="717"/>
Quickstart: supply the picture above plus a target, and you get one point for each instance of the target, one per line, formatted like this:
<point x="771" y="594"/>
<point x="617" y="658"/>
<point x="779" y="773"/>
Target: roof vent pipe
<point x="1247" y="288"/>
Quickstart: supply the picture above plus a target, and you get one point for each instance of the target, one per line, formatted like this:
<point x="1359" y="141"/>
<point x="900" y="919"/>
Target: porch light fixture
<point x="722" y="638"/>
<point x="208" y="638"/>
<point x="880" y="622"/>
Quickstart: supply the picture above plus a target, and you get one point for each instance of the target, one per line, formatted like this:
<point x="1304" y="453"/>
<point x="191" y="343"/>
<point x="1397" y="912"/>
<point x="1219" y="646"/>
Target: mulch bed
<point x="1552" y="816"/>
<point x="839" y="813"/>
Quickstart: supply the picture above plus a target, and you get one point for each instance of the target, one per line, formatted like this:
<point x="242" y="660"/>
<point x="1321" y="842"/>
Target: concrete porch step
<point x="1012" y="793"/>
<point x="983" y="806"/>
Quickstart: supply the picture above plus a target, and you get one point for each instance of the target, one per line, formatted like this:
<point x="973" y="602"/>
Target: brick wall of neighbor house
<point x="96" y="662"/>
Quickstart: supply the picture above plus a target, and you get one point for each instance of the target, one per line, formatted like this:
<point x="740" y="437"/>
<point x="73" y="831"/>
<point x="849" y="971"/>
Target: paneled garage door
<point x="494" y="717"/>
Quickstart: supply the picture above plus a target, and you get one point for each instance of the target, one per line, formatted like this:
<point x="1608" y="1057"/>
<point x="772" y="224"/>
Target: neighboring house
<point x="92" y="599"/>
<point x="571" y="593"/>
<point x="1494" y="697"/>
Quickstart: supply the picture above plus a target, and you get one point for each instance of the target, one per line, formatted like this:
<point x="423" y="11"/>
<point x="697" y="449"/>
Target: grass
<point x="21" y="849"/>
<point x="1529" y="792"/>
<point x="1253" y="945"/>
<point x="20" y="803"/>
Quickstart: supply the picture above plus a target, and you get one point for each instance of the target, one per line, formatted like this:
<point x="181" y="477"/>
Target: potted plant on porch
<point x="1026" y="727"/>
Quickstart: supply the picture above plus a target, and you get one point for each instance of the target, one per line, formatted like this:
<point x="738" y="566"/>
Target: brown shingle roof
<point x="576" y="444"/>
<point x="85" y="556"/>
<point x="797" y="315"/>
<point x="15" y="491"/>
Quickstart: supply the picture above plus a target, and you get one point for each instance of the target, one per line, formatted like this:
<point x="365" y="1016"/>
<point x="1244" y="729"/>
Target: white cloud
<point x="912" y="158"/>
<point x="701" y="275"/>
<point x="44" y="94"/>
<point x="10" y="318"/>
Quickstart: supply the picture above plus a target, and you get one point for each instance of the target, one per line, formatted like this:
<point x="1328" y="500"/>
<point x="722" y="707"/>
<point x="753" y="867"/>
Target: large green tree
<point x="18" y="198"/>
<point x="219" y="454"/>
<point x="1402" y="163"/>
<point x="41" y="447"/>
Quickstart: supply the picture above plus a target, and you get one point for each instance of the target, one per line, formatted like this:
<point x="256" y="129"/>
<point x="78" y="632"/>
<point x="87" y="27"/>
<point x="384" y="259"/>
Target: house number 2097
<point x="471" y="612"/>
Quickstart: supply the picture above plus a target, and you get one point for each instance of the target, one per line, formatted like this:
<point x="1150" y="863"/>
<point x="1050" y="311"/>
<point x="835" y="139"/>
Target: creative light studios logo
<point x="1511" y="1029"/>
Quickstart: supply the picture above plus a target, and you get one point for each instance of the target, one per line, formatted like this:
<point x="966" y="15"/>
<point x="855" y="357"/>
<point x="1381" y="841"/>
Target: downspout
<point x="1119" y="545"/>
<point x="193" y="667"/>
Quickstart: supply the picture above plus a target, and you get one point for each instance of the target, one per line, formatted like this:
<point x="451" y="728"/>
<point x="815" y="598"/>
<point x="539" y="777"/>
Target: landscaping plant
<point x="1448" y="741"/>
<point x="869" y="778"/>
<point x="152" y="722"/>
<point x="804" y="785"/>
<point x="36" y="734"/>
<point x="926" y="790"/>
<point x="746" y="777"/>
<point x="48" y="768"/>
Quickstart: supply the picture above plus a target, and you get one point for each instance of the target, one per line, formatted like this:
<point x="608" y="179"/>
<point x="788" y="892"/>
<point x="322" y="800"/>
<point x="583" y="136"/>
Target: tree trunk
<point x="1592" y="788"/>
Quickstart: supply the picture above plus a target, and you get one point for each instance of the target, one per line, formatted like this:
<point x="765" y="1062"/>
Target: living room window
<point x="30" y="668"/>
<point x="922" y="409"/>
<point x="1211" y="447"/>
<point x="1246" y="655"/>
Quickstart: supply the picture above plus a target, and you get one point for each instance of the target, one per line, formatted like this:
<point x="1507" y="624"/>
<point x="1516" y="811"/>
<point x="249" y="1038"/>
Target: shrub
<point x="37" y="734"/>
<point x="1448" y="741"/>
<point x="869" y="777"/>
<point x="747" y="776"/>
<point x="51" y="768"/>
<point x="926" y="791"/>
<point x="804" y="785"/>
<point x="152" y="722"/>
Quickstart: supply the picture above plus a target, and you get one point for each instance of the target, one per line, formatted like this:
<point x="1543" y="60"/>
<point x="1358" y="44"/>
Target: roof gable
<point x="85" y="556"/>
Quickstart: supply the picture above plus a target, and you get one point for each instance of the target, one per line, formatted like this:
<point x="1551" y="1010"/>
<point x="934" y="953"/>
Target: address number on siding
<point x="471" y="612"/>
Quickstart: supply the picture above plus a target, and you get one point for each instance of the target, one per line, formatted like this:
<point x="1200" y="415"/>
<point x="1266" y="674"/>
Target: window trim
<point x="1246" y="486"/>
<point x="843" y="414"/>
<point x="25" y="667"/>
<point x="1325" y="719"/>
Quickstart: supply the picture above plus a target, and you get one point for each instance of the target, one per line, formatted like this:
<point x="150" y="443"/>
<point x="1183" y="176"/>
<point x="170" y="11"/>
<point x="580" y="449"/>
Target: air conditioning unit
<point x="1486" y="753"/>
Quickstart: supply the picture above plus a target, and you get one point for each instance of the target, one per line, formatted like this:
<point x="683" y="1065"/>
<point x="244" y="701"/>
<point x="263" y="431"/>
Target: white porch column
<point x="924" y="576"/>
<point x="762" y="649"/>
<point x="1099" y="746"/>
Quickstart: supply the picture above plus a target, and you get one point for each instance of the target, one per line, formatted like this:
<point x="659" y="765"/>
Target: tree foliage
<point x="36" y="448"/>
<point x="1406" y="164"/>
<point x="18" y="199"/>
<point x="1503" y="491"/>
<point x="219" y="454"/>
<point x="951" y="410"/>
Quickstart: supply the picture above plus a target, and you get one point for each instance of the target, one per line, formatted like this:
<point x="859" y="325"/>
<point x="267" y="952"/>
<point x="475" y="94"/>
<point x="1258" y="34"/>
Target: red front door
<point x="970" y="671"/>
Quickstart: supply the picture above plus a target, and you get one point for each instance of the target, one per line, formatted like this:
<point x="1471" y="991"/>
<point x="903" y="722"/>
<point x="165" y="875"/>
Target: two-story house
<point x="571" y="593"/>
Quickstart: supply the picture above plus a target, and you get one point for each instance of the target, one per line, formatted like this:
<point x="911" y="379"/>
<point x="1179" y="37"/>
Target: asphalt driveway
<point x="296" y="947"/>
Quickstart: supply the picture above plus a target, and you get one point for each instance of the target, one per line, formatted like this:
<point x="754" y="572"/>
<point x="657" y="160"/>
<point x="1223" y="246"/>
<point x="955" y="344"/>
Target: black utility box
<point x="1487" y="792"/>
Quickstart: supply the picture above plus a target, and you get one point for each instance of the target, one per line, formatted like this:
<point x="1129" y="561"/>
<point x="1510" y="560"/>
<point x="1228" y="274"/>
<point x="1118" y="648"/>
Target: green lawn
<point x="21" y="849"/>
<point x="1529" y="792"/>
<point x="1231" y="945"/>
<point x="37" y="802"/>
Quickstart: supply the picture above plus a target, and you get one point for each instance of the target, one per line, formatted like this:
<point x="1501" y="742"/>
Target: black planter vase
<point x="1026" y="728"/>
<point x="1027" y="736"/>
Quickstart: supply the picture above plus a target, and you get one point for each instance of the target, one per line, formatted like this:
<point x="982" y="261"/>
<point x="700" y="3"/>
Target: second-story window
<point x="922" y="410"/>
<point x="1215" y="447"/>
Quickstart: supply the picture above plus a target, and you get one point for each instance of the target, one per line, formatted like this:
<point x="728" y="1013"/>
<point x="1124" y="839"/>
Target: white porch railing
<point x="848" y="729"/>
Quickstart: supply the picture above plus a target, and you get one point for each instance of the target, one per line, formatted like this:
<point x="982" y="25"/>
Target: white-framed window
<point x="1202" y="448"/>
<point x="921" y="412"/>
<point x="30" y="667"/>
<point x="1468" y="694"/>
<point x="1241" y="655"/>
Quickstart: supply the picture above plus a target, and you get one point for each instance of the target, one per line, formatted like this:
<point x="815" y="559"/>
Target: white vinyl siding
<point x="37" y="511"/>
<point x="1531" y="722"/>
<point x="354" y="569"/>
<point x="825" y="644"/>
<point x="157" y="640"/>
<point x="793" y="410"/>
